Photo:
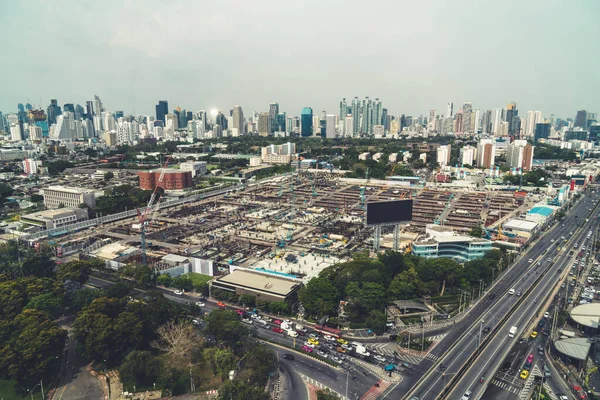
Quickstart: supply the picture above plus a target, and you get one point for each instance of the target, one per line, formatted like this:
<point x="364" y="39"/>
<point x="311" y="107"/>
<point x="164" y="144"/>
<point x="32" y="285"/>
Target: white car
<point x="309" y="344"/>
<point x="530" y="260"/>
<point x="329" y="338"/>
<point x="200" y="304"/>
<point x="546" y="314"/>
<point x="179" y="292"/>
<point x="466" y="396"/>
<point x="379" y="358"/>
<point x="337" y="359"/>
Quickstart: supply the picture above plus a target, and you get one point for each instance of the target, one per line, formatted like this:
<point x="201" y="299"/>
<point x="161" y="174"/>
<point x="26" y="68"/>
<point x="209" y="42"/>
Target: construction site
<point x="296" y="225"/>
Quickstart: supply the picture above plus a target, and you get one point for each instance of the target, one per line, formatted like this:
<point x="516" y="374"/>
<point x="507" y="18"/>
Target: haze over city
<point x="415" y="56"/>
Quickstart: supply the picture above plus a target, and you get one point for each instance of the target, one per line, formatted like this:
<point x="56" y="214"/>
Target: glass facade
<point x="460" y="251"/>
<point x="306" y="117"/>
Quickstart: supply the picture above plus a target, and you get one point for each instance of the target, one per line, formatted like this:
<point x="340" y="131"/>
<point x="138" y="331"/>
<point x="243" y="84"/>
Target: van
<point x="511" y="291"/>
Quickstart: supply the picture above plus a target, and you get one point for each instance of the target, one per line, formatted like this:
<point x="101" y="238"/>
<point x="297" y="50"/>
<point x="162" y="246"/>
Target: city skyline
<point x="204" y="56"/>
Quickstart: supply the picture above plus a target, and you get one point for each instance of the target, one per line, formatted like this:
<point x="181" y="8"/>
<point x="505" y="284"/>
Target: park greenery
<point x="369" y="285"/>
<point x="149" y="339"/>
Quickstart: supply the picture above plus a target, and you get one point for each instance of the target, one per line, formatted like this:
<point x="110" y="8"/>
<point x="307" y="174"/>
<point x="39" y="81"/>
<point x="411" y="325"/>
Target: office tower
<point x="119" y="114"/>
<point x="201" y="116"/>
<point x="280" y="120"/>
<point x="89" y="110"/>
<point x="459" y="126"/>
<point x="431" y="120"/>
<point x="377" y="113"/>
<point x="108" y="121"/>
<point x="385" y="119"/>
<point x="486" y="124"/>
<point x="15" y="132"/>
<point x="356" y="115"/>
<point x="35" y="133"/>
<point x="542" y="131"/>
<point x="443" y="155"/>
<point x="349" y="125"/>
<point x="343" y="109"/>
<point x="450" y="110"/>
<point x="467" y="110"/>
<point x="594" y="133"/>
<point x="182" y="118"/>
<point x="306" y="122"/>
<point x="79" y="112"/>
<point x="263" y="124"/>
<point x="511" y="118"/>
<point x="496" y="119"/>
<point x="289" y="124"/>
<point x="162" y="109"/>
<point x="476" y="120"/>
<point x="53" y="111"/>
<point x="533" y="117"/>
<point x="467" y="155"/>
<point x="330" y="130"/>
<point x="69" y="107"/>
<point x="217" y="130"/>
<point x="519" y="154"/>
<point x="580" y="119"/>
<point x="171" y="123"/>
<point x="590" y="120"/>
<point x="273" y="111"/>
<point x="98" y="105"/>
<point x="486" y="153"/>
<point x="2" y="123"/>
<point x="238" y="119"/>
<point x="221" y="119"/>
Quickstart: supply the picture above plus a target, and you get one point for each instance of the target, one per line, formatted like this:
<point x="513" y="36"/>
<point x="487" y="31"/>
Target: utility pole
<point x="480" y="331"/>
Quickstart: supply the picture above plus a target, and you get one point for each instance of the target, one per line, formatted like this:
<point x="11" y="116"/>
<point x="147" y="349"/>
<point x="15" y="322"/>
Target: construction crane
<point x="312" y="184"/>
<point x="362" y="191"/>
<point x="144" y="216"/>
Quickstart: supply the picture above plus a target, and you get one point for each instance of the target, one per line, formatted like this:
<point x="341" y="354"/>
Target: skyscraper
<point x="542" y="131"/>
<point x="511" y="112"/>
<point x="306" y="127"/>
<point x="280" y="122"/>
<point x="467" y="110"/>
<point x="263" y="124"/>
<point x="273" y="111"/>
<point x="486" y="153"/>
<point x="580" y="119"/>
<point x="69" y="107"/>
<point x="343" y="109"/>
<point x="79" y="111"/>
<point x="450" y="110"/>
<point x="162" y="109"/>
<point x="519" y="154"/>
<point x="99" y="106"/>
<point x="356" y="115"/>
<point x="330" y="129"/>
<point x="238" y="119"/>
<point x="89" y="110"/>
<point x="431" y="120"/>
<point x="53" y="111"/>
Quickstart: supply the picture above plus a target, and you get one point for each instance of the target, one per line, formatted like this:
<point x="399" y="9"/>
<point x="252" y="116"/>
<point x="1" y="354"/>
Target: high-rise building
<point x="467" y="155"/>
<point x="53" y="111"/>
<point x="162" y="109"/>
<point x="343" y="109"/>
<point x="69" y="107"/>
<point x="79" y="112"/>
<point x="35" y="133"/>
<point x="98" y="104"/>
<point x="221" y="119"/>
<point x="273" y="111"/>
<point x="330" y="129"/>
<point x="476" y="120"/>
<point x="443" y="155"/>
<point x="519" y="154"/>
<point x="511" y="113"/>
<point x="595" y="134"/>
<point x="349" y="125"/>
<point x="263" y="124"/>
<point x="431" y="120"/>
<point x="486" y="125"/>
<point x="89" y="110"/>
<point x="467" y="110"/>
<point x="459" y="127"/>
<point x="533" y="117"/>
<point x="486" y="153"/>
<point x="306" y="122"/>
<point x="280" y="120"/>
<point x="450" y="110"/>
<point x="356" y="115"/>
<point x="580" y="119"/>
<point x="496" y="119"/>
<point x="238" y="119"/>
<point x="542" y="131"/>
<point x="15" y="132"/>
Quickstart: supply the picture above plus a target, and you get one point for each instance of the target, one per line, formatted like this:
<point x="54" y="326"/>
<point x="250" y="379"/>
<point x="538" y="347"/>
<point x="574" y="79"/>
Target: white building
<point x="378" y="131"/>
<point x="15" y="133"/>
<point x="330" y="129"/>
<point x="69" y="196"/>
<point x="35" y="132"/>
<point x="467" y="155"/>
<point x="278" y="154"/>
<point x="51" y="219"/>
<point x="349" y="125"/>
<point x="443" y="155"/>
<point x="196" y="167"/>
<point x="31" y="166"/>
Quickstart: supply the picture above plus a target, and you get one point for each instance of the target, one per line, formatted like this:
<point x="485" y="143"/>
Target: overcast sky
<point x="414" y="55"/>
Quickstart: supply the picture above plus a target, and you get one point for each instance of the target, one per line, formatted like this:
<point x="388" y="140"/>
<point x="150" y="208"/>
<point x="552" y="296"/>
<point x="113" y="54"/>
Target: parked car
<point x="179" y="292"/>
<point x="307" y="349"/>
<point x="200" y="304"/>
<point x="277" y="329"/>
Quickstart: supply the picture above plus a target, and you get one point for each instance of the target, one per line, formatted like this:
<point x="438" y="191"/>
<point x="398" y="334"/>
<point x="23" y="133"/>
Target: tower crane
<point x="144" y="216"/>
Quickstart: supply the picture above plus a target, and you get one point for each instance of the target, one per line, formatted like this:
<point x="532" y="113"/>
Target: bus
<point x="325" y="330"/>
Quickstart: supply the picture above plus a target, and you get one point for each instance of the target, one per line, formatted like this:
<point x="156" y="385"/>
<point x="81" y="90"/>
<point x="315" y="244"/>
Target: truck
<point x="512" y="332"/>
<point x="362" y="350"/>
<point x="285" y="326"/>
<point x="301" y="328"/>
<point x="292" y="333"/>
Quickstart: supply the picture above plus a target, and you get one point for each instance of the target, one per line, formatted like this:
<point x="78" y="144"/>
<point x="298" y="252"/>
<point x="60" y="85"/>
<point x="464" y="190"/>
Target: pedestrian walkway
<point x="505" y="386"/>
<point x="379" y="371"/>
<point x="318" y="385"/>
<point x="374" y="392"/>
<point x="525" y="393"/>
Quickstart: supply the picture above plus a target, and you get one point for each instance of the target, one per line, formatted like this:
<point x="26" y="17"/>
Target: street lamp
<point x="41" y="385"/>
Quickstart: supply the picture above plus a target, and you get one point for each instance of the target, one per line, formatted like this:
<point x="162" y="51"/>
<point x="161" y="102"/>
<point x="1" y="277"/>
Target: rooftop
<point x="49" y="214"/>
<point x="587" y="315"/>
<point x="545" y="211"/>
<point x="68" y="189"/>
<point x="520" y="225"/>
<point x="577" y="348"/>
<point x="260" y="282"/>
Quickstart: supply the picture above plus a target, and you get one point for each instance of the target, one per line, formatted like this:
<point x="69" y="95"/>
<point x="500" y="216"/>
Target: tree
<point x="108" y="176"/>
<point x="36" y="198"/>
<point x="319" y="297"/>
<point x="258" y="363"/>
<point x="58" y="166"/>
<point x="183" y="282"/>
<point x="203" y="289"/>
<point x="178" y="340"/>
<point x="225" y="327"/>
<point x="476" y="231"/>
<point x="220" y="360"/>
<point x="40" y="265"/>
<point x="326" y="394"/>
<point x="50" y="303"/>
<point x="248" y="300"/>
<point x="77" y="271"/>
<point x="5" y="191"/>
<point x="406" y="285"/>
<point x="237" y="389"/>
<point x="164" y="280"/>
<point x="140" y="368"/>
<point x="376" y="321"/>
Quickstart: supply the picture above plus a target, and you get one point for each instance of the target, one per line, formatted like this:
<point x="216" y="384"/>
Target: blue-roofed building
<point x="540" y="214"/>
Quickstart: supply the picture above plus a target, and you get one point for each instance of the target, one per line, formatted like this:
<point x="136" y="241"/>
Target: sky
<point x="413" y="55"/>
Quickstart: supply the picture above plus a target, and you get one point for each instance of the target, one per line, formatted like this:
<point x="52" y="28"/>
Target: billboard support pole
<point x="376" y="238"/>
<point x="396" y="237"/>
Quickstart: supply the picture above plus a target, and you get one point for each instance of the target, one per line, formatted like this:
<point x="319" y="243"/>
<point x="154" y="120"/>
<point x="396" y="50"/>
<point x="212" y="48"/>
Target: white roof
<point x="520" y="225"/>
<point x="175" y="258"/>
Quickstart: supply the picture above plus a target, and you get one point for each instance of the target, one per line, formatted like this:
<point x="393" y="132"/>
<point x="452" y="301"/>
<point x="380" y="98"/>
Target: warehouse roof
<point x="545" y="211"/>
<point x="520" y="225"/>
<point x="587" y="315"/>
<point x="577" y="348"/>
<point x="260" y="282"/>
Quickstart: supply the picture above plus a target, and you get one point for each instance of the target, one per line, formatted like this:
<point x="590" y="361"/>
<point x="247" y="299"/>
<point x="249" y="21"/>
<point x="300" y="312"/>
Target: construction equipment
<point x="362" y="191"/>
<point x="144" y="216"/>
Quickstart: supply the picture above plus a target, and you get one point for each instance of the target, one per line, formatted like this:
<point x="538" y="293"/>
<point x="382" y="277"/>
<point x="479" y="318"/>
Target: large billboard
<point x="389" y="212"/>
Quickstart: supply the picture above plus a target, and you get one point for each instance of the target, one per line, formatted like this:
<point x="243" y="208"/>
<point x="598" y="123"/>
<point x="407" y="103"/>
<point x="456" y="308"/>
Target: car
<point x="247" y="321"/>
<point x="347" y="347"/>
<point x="322" y="354"/>
<point x="342" y="341"/>
<point x="530" y="358"/>
<point x="546" y="314"/>
<point x="239" y="312"/>
<point x="524" y="374"/>
<point x="540" y="350"/>
<point x="307" y="349"/>
<point x="467" y="395"/>
<point x="337" y="359"/>
<point x="287" y="321"/>
<point x="559" y="271"/>
<point x="552" y="241"/>
<point x="221" y="304"/>
<point x="341" y="350"/>
<point x="329" y="338"/>
<point x="179" y="292"/>
<point x="486" y="329"/>
<point x="329" y="346"/>
<point x="379" y="358"/>
<point x="324" y="349"/>
<point x="277" y="322"/>
<point x="309" y="344"/>
<point x="511" y="291"/>
<point x="549" y="259"/>
<point x="518" y="293"/>
<point x="313" y="341"/>
<point x="200" y="304"/>
<point x="533" y="334"/>
<point x="530" y="260"/>
<point x="562" y="396"/>
<point x="314" y="336"/>
<point x="288" y="357"/>
<point x="195" y="322"/>
<point x="301" y="333"/>
<point x="277" y="329"/>
<point x="492" y="296"/>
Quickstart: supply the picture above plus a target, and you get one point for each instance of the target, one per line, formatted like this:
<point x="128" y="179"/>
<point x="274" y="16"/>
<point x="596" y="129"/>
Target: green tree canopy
<point x="319" y="297"/>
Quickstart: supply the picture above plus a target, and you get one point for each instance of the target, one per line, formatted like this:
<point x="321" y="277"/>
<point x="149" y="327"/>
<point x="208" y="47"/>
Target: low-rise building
<point x="55" y="196"/>
<point x="51" y="219"/>
<point x="172" y="180"/>
<point x="519" y="227"/>
<point x="441" y="241"/>
<point x="195" y="167"/>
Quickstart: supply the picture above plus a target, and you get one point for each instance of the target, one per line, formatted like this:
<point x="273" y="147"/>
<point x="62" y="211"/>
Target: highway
<point x="460" y="343"/>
